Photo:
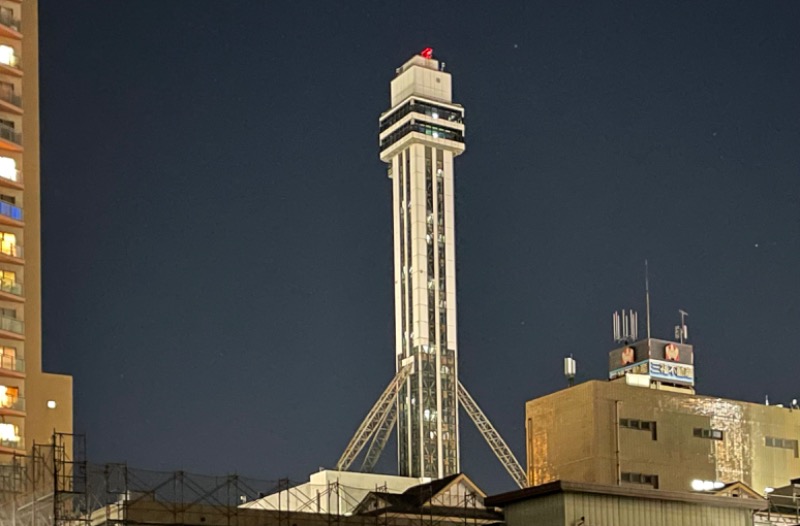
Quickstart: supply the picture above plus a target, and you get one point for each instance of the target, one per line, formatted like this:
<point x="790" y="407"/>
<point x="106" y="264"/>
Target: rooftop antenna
<point x="626" y="326"/>
<point x="570" y="368"/>
<point x="647" y="295"/>
<point x="682" y="331"/>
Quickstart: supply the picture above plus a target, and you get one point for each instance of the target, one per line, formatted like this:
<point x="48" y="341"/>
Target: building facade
<point x="32" y="403"/>
<point x="420" y="135"/>
<point x="613" y="433"/>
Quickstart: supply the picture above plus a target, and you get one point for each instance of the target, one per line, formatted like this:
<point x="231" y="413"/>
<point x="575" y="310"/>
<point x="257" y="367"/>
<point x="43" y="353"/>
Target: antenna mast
<point x="647" y="295"/>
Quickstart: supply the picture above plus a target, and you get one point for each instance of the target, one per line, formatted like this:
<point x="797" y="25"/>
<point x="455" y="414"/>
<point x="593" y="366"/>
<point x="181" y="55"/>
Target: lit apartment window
<point x="8" y="396"/>
<point x="8" y="168"/>
<point x="8" y="358"/>
<point x="704" y="432"/>
<point x="783" y="443"/>
<point x="9" y="433"/>
<point x="8" y="244"/>
<point x="8" y="281"/>
<point x="7" y="55"/>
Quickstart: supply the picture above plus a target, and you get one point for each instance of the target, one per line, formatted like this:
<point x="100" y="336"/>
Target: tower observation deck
<point x="419" y="137"/>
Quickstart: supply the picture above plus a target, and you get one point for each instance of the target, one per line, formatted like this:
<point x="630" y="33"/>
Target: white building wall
<point x="335" y="492"/>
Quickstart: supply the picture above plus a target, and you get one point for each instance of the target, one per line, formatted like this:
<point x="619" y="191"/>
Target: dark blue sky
<point x="217" y="229"/>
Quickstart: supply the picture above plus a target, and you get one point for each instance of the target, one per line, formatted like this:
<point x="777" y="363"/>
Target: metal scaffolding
<point x="52" y="487"/>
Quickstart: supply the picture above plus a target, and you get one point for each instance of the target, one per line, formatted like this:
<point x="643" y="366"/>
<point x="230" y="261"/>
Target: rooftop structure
<point x="582" y="504"/>
<point x="334" y="492"/>
<point x="345" y="493"/>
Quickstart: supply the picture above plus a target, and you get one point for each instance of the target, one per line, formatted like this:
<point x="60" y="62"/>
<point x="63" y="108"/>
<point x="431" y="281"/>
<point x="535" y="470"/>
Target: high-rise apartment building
<point x="32" y="403"/>
<point x="419" y="137"/>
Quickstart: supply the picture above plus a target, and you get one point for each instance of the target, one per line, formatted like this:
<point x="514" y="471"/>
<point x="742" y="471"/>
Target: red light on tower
<point x="427" y="52"/>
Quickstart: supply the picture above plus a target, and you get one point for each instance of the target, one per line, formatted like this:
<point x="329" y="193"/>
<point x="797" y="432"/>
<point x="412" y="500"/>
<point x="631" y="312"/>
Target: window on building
<point x="7" y="55"/>
<point x="783" y="443"/>
<point x="8" y="280"/>
<point x="8" y="168"/>
<point x="641" y="425"/>
<point x="8" y="395"/>
<point x="6" y="90"/>
<point x="8" y="358"/>
<point x="8" y="244"/>
<point x="9" y="432"/>
<point x="640" y="478"/>
<point x="704" y="432"/>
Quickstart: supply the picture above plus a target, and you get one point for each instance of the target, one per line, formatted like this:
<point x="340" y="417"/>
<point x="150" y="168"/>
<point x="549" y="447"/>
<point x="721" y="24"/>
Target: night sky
<point x="217" y="224"/>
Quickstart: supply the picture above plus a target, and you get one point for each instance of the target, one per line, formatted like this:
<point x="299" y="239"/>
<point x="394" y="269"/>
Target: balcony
<point x="11" y="291"/>
<point x="11" y="253"/>
<point x="9" y="62"/>
<point x="6" y="444"/>
<point x="12" y="404"/>
<point x="10" y="101"/>
<point x="10" y="139"/>
<point x="12" y="328"/>
<point x="12" y="366"/>
<point x="10" y="214"/>
<point x="11" y="179"/>
<point x="10" y="26"/>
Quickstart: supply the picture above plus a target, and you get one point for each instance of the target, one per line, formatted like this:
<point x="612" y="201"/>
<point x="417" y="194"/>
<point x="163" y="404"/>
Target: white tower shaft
<point x="419" y="137"/>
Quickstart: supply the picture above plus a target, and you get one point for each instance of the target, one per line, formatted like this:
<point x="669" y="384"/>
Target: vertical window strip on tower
<point x="429" y="387"/>
<point x="403" y="394"/>
<point x="447" y="356"/>
<point x="413" y="382"/>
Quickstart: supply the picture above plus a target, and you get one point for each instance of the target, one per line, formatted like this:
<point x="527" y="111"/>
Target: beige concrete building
<point x="32" y="403"/>
<point x="612" y="433"/>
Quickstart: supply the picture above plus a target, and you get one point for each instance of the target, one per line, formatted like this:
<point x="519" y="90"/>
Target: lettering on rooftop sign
<point x="672" y="372"/>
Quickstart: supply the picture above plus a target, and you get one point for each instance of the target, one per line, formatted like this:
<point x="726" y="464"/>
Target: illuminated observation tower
<point x="420" y="135"/>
